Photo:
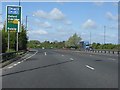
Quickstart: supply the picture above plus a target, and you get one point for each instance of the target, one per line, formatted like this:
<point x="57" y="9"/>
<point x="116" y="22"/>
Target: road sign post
<point x="13" y="21"/>
<point x="17" y="35"/>
<point x="8" y="41"/>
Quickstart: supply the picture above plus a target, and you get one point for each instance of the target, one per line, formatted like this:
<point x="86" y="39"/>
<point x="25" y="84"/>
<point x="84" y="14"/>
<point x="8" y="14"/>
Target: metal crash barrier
<point x="10" y="55"/>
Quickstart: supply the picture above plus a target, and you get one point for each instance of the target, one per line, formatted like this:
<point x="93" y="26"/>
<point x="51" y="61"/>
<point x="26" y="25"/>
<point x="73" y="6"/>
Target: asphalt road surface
<point x="52" y="68"/>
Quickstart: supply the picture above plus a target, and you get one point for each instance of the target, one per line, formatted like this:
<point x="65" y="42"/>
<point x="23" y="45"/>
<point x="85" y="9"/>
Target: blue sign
<point x="13" y="10"/>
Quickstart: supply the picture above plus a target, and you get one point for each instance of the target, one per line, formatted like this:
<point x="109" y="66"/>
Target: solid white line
<point x="22" y="60"/>
<point x="30" y="56"/>
<point x="45" y="53"/>
<point x="71" y="59"/>
<point x="89" y="67"/>
<point x="25" y="56"/>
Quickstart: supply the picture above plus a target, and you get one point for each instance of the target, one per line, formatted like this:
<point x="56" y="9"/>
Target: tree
<point x="4" y="39"/>
<point x="73" y="41"/>
<point x="4" y="42"/>
<point x="33" y="43"/>
<point x="23" y="39"/>
<point x="104" y="46"/>
<point x="97" y="46"/>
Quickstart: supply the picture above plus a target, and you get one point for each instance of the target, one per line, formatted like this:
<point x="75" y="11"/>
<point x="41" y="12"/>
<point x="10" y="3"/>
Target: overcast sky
<point x="59" y="20"/>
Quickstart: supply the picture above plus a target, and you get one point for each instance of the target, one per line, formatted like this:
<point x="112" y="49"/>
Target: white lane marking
<point x="23" y="60"/>
<point x="30" y="56"/>
<point x="25" y="56"/>
<point x="15" y="64"/>
<point x="71" y="59"/>
<point x="45" y="53"/>
<point x="90" y="55"/>
<point x="89" y="67"/>
<point x="112" y="58"/>
<point x="62" y="55"/>
<point x="18" y="62"/>
<point x="10" y="67"/>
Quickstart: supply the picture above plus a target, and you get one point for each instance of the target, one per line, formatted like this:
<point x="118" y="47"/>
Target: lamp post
<point x="90" y="38"/>
<point x="26" y="21"/>
<point x="104" y="34"/>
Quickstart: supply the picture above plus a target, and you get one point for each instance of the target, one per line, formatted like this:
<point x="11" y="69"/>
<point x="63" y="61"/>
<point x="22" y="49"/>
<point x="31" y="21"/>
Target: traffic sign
<point x="13" y="17"/>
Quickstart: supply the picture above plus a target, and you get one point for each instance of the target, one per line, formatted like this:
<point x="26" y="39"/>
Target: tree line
<point x="106" y="46"/>
<point x="22" y="38"/>
<point x="45" y="44"/>
<point x="72" y="42"/>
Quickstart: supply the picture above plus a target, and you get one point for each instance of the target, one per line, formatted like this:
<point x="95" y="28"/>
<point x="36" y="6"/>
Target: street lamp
<point x="90" y="38"/>
<point x="104" y="34"/>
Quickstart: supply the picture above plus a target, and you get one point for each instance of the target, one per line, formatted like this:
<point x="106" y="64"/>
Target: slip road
<point x="52" y="68"/>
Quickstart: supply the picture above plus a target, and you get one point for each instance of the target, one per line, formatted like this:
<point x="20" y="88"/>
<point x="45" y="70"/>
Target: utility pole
<point x="90" y="38"/>
<point x="26" y="22"/>
<point x="104" y="34"/>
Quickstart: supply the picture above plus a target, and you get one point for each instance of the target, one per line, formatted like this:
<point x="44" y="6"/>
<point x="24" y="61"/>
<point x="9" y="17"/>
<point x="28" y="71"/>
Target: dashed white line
<point x="15" y="64"/>
<point x="45" y="53"/>
<point x="18" y="62"/>
<point x="89" y="67"/>
<point x="71" y="59"/>
<point x="62" y="55"/>
<point x="112" y="58"/>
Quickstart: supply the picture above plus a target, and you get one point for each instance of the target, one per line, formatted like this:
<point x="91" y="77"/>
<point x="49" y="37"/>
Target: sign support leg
<point x="17" y="42"/>
<point x="8" y="40"/>
<point x="17" y="36"/>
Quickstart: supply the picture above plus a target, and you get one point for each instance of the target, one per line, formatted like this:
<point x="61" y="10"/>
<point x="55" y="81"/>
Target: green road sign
<point x="13" y="18"/>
